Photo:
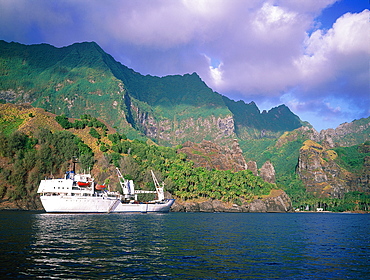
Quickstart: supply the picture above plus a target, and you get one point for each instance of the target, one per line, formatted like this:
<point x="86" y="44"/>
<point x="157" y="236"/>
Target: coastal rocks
<point x="277" y="201"/>
<point x="23" y="204"/>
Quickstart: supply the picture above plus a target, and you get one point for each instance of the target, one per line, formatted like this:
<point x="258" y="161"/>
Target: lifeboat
<point x="100" y="187"/>
<point x="83" y="184"/>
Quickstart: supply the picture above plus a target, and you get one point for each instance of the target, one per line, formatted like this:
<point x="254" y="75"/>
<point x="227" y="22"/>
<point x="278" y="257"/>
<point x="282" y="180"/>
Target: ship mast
<point x="74" y="161"/>
<point x="158" y="188"/>
<point x="129" y="191"/>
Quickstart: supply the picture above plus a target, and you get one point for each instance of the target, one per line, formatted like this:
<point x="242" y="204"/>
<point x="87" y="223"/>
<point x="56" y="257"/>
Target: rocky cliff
<point x="323" y="176"/>
<point x="210" y="155"/>
<point x="345" y="135"/>
<point x="168" y="131"/>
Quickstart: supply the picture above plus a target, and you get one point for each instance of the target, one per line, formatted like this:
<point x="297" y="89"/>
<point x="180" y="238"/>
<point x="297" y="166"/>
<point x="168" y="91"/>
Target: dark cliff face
<point x="323" y="177"/>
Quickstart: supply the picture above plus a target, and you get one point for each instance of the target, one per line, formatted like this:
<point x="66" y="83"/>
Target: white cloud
<point x="341" y="51"/>
<point x="216" y="75"/>
<point x="270" y="16"/>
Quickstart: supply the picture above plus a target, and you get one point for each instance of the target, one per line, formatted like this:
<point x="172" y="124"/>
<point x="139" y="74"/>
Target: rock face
<point x="212" y="156"/>
<point x="277" y="201"/>
<point x="252" y="166"/>
<point x="323" y="177"/>
<point x="220" y="129"/>
<point x="345" y="135"/>
<point x="338" y="135"/>
<point x="268" y="172"/>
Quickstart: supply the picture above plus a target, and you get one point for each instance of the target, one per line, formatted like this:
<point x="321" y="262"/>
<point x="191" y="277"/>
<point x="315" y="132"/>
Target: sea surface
<point x="184" y="246"/>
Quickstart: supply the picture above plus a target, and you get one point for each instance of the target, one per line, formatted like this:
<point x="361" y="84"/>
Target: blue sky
<point x="310" y="55"/>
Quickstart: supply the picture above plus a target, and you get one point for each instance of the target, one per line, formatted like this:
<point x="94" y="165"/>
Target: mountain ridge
<point x="82" y="76"/>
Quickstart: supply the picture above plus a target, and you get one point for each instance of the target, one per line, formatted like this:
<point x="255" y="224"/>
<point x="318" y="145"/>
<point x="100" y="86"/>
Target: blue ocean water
<point x="184" y="246"/>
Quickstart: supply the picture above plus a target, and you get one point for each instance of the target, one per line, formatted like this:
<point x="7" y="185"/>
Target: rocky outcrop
<point x="320" y="174"/>
<point x="303" y="132"/>
<point x="345" y="135"/>
<point x="277" y="201"/>
<point x="358" y="130"/>
<point x="252" y="166"/>
<point x="213" y="156"/>
<point x="267" y="172"/>
<point x="323" y="177"/>
<point x="179" y="131"/>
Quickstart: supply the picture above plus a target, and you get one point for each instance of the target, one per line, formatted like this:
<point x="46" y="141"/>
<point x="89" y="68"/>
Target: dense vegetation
<point x="352" y="158"/>
<point x="86" y="120"/>
<point x="284" y="157"/>
<point x="182" y="179"/>
<point x="33" y="158"/>
<point x="29" y="159"/>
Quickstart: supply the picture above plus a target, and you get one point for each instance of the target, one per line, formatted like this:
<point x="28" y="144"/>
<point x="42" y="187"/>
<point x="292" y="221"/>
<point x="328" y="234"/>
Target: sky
<point x="311" y="55"/>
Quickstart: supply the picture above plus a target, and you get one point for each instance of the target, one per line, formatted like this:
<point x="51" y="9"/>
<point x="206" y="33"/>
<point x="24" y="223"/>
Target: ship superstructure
<point x="78" y="193"/>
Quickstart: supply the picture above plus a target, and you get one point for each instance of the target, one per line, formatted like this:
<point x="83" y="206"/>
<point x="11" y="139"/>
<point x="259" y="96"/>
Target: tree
<point x="17" y="141"/>
<point x="63" y="121"/>
<point x="94" y="133"/>
<point x="130" y="167"/>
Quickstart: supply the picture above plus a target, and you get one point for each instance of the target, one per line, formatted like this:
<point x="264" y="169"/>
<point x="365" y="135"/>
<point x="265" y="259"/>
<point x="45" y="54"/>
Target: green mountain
<point x="170" y="110"/>
<point x="82" y="80"/>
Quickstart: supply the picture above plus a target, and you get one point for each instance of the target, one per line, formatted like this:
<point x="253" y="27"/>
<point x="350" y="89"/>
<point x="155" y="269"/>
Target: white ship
<point x="78" y="193"/>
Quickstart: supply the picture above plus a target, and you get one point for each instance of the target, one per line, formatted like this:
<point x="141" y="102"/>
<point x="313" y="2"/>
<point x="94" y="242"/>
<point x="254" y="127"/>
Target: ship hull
<point x="144" y="207"/>
<point x="92" y="204"/>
